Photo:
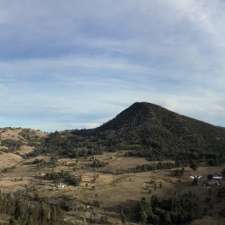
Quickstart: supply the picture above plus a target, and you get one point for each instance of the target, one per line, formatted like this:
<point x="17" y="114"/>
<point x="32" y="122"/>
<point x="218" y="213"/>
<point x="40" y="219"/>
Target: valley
<point x="102" y="192"/>
<point x="98" y="182"/>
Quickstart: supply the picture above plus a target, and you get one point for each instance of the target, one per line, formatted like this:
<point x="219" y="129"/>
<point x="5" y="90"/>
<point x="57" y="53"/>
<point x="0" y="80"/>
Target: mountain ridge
<point x="146" y="130"/>
<point x="138" y="105"/>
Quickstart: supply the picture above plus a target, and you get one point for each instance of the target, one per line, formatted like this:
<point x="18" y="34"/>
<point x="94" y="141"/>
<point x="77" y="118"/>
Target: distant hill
<point x="146" y="130"/>
<point x="19" y="140"/>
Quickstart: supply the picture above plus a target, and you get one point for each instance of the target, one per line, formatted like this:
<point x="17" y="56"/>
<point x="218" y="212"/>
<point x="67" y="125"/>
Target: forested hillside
<point x="146" y="130"/>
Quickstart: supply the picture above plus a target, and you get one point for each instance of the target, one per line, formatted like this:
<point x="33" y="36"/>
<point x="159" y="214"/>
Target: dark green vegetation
<point x="64" y="177"/>
<point x="181" y="208"/>
<point x="145" y="130"/>
<point x="26" y="209"/>
<point x="153" y="166"/>
<point x="97" y="163"/>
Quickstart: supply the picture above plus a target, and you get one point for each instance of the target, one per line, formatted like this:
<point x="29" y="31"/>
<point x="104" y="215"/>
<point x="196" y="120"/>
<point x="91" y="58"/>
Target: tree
<point x="193" y="166"/>
<point x="223" y="172"/>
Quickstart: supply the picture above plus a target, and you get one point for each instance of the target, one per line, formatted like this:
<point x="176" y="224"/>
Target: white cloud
<point x="66" y="58"/>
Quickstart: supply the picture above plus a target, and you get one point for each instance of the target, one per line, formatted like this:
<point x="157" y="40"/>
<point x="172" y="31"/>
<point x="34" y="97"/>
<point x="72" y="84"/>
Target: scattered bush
<point x="64" y="177"/>
<point x="12" y="145"/>
<point x="96" y="163"/>
<point x="178" y="172"/>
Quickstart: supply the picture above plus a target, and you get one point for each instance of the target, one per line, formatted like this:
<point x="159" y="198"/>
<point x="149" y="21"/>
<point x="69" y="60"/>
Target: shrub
<point x="176" y="210"/>
<point x="65" y="177"/>
<point x="178" y="172"/>
<point x="223" y="172"/>
<point x="193" y="166"/>
<point x="97" y="163"/>
<point x="23" y="209"/>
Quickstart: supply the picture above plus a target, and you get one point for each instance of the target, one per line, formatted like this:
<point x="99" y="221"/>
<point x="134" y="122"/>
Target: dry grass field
<point x="101" y="190"/>
<point x="8" y="160"/>
<point x="209" y="221"/>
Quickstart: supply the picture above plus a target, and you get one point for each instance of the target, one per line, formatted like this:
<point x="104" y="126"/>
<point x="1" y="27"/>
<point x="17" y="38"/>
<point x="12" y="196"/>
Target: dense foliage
<point x="25" y="210"/>
<point x="181" y="208"/>
<point x="177" y="210"/>
<point x="153" y="166"/>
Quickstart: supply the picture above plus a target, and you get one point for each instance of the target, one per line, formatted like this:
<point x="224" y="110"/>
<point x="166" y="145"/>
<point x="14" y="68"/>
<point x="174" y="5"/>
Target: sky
<point x="67" y="64"/>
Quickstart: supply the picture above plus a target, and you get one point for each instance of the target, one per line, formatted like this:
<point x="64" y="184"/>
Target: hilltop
<point x="145" y="130"/>
<point x="19" y="139"/>
<point x="17" y="143"/>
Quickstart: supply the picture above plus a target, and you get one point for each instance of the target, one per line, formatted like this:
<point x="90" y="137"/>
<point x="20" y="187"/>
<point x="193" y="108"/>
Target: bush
<point x="178" y="172"/>
<point x="153" y="166"/>
<point x="65" y="177"/>
<point x="98" y="164"/>
<point x="12" y="145"/>
<point x="24" y="210"/>
<point x="193" y="166"/>
<point x="176" y="210"/>
<point x="223" y="172"/>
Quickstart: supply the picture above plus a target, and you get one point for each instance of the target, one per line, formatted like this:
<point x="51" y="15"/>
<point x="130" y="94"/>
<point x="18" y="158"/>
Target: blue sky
<point x="76" y="63"/>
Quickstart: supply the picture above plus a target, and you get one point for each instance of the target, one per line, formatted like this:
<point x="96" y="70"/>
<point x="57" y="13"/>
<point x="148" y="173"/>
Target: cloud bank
<point x="75" y="64"/>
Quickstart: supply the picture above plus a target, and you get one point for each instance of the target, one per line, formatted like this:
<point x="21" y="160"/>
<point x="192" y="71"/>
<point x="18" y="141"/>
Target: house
<point x="217" y="177"/>
<point x="195" y="179"/>
<point x="214" y="179"/>
<point x="61" y="186"/>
